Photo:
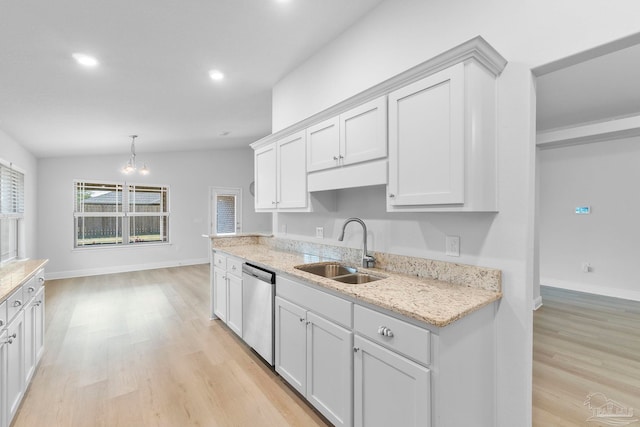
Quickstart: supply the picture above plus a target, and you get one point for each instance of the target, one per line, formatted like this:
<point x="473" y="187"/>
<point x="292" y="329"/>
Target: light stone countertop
<point x="14" y="274"/>
<point x="435" y="302"/>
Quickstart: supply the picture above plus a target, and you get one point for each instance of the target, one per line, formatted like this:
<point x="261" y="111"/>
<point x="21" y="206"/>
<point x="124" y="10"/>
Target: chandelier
<point x="131" y="164"/>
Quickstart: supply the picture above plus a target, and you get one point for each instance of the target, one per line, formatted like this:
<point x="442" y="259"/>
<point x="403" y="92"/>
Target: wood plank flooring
<point x="138" y="349"/>
<point x="584" y="344"/>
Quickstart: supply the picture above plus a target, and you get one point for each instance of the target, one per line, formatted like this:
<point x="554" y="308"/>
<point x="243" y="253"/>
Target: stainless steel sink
<point x="329" y="270"/>
<point x="357" y="278"/>
<point x="338" y="272"/>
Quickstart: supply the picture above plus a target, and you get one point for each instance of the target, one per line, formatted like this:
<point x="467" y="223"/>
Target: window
<point x="225" y="211"/>
<point x="11" y="210"/>
<point x="114" y="214"/>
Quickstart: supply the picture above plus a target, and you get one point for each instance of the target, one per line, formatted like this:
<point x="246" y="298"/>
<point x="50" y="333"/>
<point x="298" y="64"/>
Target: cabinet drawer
<point x="30" y="289"/>
<point x="234" y="266"/>
<point x="3" y="315"/>
<point x="14" y="303"/>
<point x="220" y="260"/>
<point x="322" y="303"/>
<point x="393" y="333"/>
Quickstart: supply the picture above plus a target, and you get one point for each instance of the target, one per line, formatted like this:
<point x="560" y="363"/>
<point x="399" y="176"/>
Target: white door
<point x="219" y="302"/>
<point x="389" y="390"/>
<point x="323" y="145"/>
<point x="292" y="172"/>
<point x="329" y="374"/>
<point x="4" y="348"/>
<point x="426" y="140"/>
<point x="30" y="314"/>
<point x="265" y="177"/>
<point x="225" y="211"/>
<point x="291" y="343"/>
<point x="234" y="314"/>
<point x="363" y="132"/>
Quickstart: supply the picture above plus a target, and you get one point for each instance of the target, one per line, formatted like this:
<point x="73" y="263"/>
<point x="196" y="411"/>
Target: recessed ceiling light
<point x="85" y="60"/>
<point x="216" y="75"/>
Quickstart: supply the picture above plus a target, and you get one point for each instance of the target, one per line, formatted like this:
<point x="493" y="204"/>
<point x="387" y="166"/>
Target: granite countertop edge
<point x="16" y="273"/>
<point x="435" y="302"/>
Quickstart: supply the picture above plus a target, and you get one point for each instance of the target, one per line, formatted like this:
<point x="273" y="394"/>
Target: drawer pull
<point x="384" y="331"/>
<point x="41" y="279"/>
<point x="356" y="349"/>
<point x="1" y="322"/>
<point x="301" y="319"/>
<point x="31" y="289"/>
<point x="17" y="303"/>
<point x="233" y="267"/>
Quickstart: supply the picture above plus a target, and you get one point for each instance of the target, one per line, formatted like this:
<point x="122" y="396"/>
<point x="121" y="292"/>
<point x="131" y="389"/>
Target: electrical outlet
<point x="320" y="232"/>
<point x="452" y="245"/>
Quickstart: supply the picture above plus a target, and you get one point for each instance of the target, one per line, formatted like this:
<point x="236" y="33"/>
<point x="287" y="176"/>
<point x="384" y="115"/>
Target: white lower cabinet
<point x="15" y="365"/>
<point x="33" y="333"/>
<point x="4" y="349"/>
<point x="226" y="291"/>
<point x="389" y="389"/>
<point x="313" y="354"/>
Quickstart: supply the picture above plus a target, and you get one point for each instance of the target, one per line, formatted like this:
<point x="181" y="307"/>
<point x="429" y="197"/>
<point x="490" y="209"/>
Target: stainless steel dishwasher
<point x="258" y="293"/>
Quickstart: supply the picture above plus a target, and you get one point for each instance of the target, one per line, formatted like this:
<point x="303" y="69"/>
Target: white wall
<point x="605" y="176"/>
<point x="402" y="33"/>
<point x="189" y="176"/>
<point x="13" y="152"/>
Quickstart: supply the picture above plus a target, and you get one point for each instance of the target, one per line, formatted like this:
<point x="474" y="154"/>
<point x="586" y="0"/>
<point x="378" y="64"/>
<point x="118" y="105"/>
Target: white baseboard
<point x="537" y="303"/>
<point x="122" y="268"/>
<point x="592" y="289"/>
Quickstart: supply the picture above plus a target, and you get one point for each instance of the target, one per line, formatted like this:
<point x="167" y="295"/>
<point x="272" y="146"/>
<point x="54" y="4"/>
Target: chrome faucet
<point x="367" y="260"/>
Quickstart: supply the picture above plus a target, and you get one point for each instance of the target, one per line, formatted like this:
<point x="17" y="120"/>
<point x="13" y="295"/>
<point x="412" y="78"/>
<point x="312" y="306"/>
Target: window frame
<point x="14" y="213"/>
<point x="124" y="214"/>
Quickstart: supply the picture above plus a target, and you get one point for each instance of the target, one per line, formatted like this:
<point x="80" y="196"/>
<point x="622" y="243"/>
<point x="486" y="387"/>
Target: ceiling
<point x="595" y="86"/>
<point x="153" y="80"/>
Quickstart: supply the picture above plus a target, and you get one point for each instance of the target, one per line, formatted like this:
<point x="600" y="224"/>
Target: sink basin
<point x="357" y="278"/>
<point x="338" y="272"/>
<point x="329" y="270"/>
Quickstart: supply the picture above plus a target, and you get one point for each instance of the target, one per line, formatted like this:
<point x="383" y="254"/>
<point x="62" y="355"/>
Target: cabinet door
<point x="234" y="314"/>
<point x="292" y="172"/>
<point x="219" y="294"/>
<point x="323" y="145"/>
<point x="291" y="343"/>
<point x="363" y="132"/>
<point x="29" y="340"/>
<point x="15" y="365"/>
<point x="38" y="334"/>
<point x="389" y="390"/>
<point x="329" y="373"/>
<point x="265" y="177"/>
<point x="4" y="348"/>
<point x="426" y="140"/>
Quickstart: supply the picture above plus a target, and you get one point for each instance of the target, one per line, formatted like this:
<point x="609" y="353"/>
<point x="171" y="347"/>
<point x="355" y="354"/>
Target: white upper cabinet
<point x="442" y="142"/>
<point x="323" y="145"/>
<point x="426" y="124"/>
<point x="281" y="175"/>
<point x="355" y="136"/>
<point x="363" y="132"/>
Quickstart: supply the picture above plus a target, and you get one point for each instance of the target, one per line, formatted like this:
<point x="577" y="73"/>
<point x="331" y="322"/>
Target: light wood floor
<point x="138" y="349"/>
<point x="584" y="344"/>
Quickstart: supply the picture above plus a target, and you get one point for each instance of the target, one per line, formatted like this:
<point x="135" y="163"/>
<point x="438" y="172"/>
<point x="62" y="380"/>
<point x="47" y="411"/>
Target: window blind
<point x="11" y="191"/>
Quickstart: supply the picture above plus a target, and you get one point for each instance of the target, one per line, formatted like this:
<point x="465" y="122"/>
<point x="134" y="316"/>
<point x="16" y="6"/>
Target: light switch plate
<point x="452" y="245"/>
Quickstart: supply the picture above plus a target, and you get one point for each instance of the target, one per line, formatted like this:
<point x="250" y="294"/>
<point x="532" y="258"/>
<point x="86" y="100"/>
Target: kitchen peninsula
<point x="415" y="346"/>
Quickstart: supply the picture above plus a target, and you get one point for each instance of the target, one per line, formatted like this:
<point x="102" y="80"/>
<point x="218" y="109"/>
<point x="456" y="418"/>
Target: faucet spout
<point x="367" y="260"/>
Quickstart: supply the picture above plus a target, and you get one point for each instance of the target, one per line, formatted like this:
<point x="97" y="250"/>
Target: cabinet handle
<point x="341" y="157"/>
<point x="38" y="303"/>
<point x="17" y="303"/>
<point x="31" y="289"/>
<point x="1" y="322"/>
<point x="301" y="319"/>
<point x="41" y="279"/>
<point x="384" y="331"/>
<point x="233" y="267"/>
<point x="308" y="322"/>
<point x="335" y="158"/>
<point x="356" y="349"/>
<point x="391" y="196"/>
